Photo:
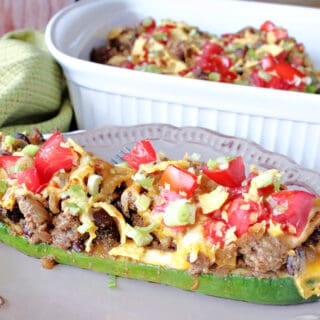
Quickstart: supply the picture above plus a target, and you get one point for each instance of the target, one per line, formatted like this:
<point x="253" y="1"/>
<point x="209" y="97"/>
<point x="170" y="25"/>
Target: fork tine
<point x="117" y="158"/>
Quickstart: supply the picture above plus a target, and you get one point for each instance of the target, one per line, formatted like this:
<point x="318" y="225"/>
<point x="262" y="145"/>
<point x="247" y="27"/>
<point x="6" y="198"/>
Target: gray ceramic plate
<point x="32" y="292"/>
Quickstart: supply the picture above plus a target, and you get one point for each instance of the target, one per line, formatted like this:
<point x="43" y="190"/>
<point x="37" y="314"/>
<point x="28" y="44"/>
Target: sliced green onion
<point x="93" y="184"/>
<point x="22" y="164"/>
<point x="73" y="208"/>
<point x="30" y="149"/>
<point x="264" y="75"/>
<point x="144" y="181"/>
<point x="311" y="88"/>
<point x="160" y="36"/>
<point x="152" y="68"/>
<point x="193" y="33"/>
<point x="267" y="178"/>
<point x="214" y="76"/>
<point x="123" y="164"/>
<point x="252" y="53"/>
<point x="3" y="186"/>
<point x="219" y="163"/>
<point x="75" y="192"/>
<point x="143" y="202"/>
<point x="140" y="235"/>
<point x="241" y="82"/>
<point x="179" y="213"/>
<point x="112" y="281"/>
<point x="147" y="22"/>
<point x="9" y="140"/>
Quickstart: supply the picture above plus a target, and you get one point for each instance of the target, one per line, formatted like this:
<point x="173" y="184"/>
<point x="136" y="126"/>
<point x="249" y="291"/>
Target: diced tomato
<point x="162" y="34"/>
<point x="127" y="64"/>
<point x="52" y="157"/>
<point x="180" y="180"/>
<point x="30" y="178"/>
<point x="211" y="48"/>
<point x="7" y="162"/>
<point x="244" y="213"/>
<point x="282" y="56"/>
<point x="267" y="26"/>
<point x="215" y="231"/>
<point x="280" y="34"/>
<point x="142" y="153"/>
<point x="287" y="72"/>
<point x="232" y="176"/>
<point x="258" y="81"/>
<point x="274" y="83"/>
<point x="211" y="59"/>
<point x="279" y="83"/>
<point x="291" y="208"/>
<point x="148" y="24"/>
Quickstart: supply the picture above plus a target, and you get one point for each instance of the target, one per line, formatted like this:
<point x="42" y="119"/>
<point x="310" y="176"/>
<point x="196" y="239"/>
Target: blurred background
<point x="34" y="14"/>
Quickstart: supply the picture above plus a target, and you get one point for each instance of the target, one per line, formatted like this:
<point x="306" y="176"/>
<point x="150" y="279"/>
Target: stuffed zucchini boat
<point x="208" y="227"/>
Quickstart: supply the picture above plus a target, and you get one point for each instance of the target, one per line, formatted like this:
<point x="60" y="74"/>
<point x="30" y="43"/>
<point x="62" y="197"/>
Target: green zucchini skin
<point x="281" y="291"/>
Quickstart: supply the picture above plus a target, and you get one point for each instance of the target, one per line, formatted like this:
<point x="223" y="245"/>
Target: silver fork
<point x="118" y="157"/>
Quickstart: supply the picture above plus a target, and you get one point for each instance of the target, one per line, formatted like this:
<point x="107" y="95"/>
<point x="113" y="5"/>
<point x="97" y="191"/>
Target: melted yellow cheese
<point x="308" y="280"/>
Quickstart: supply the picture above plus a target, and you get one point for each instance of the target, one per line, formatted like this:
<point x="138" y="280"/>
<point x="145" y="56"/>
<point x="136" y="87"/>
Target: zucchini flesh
<point x="258" y="290"/>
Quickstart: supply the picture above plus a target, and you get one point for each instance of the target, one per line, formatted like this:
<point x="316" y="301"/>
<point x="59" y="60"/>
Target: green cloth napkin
<point x="32" y="88"/>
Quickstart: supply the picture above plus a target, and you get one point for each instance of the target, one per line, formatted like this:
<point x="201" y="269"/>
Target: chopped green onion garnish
<point x="252" y="53"/>
<point x="193" y="33"/>
<point x="143" y="202"/>
<point x="267" y="178"/>
<point x="264" y="75"/>
<point x="147" y="22"/>
<point x="160" y="36"/>
<point x="22" y="164"/>
<point x="9" y="140"/>
<point x="112" y="281"/>
<point x="179" y="213"/>
<point x="219" y="163"/>
<point x="140" y="235"/>
<point x="311" y="88"/>
<point x="76" y="193"/>
<point x="3" y="186"/>
<point x="30" y="150"/>
<point x="93" y="184"/>
<point x="123" y="164"/>
<point x="144" y="181"/>
<point x="152" y="68"/>
<point x="73" y="207"/>
<point x="214" y="76"/>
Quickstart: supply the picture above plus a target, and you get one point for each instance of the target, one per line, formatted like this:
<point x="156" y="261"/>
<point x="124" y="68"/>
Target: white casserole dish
<point x="286" y="122"/>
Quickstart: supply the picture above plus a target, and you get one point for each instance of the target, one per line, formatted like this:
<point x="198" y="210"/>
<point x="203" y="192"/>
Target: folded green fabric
<point x="32" y="88"/>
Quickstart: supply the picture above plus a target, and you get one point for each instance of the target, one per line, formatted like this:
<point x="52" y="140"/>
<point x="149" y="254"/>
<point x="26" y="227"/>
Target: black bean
<point x="21" y="136"/>
<point x="15" y="215"/>
<point x="102" y="219"/>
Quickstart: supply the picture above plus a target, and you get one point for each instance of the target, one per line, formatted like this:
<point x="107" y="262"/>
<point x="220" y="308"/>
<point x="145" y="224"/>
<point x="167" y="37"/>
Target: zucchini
<point x="258" y="290"/>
